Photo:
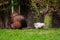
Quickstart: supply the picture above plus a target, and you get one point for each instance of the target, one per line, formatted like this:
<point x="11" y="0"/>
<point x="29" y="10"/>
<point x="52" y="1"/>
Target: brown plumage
<point x="18" y="21"/>
<point x="16" y="25"/>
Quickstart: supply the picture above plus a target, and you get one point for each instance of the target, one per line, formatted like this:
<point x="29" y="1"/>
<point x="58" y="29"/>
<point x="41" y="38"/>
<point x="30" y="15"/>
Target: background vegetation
<point x="34" y="10"/>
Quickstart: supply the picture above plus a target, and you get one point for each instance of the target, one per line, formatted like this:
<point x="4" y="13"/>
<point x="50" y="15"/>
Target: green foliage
<point x="38" y="5"/>
<point x="48" y="20"/>
<point x="35" y="9"/>
<point x="15" y="2"/>
<point x="54" y="3"/>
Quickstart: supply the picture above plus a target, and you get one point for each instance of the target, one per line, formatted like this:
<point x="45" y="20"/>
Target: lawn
<point x="30" y="34"/>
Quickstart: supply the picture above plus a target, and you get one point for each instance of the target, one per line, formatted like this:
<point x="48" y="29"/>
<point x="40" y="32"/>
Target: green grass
<point x="30" y="34"/>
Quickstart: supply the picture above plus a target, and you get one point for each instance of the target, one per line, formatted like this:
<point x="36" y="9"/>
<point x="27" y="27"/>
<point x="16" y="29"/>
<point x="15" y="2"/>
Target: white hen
<point x="39" y="25"/>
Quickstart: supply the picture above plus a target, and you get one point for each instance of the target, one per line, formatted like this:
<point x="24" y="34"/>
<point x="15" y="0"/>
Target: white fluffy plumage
<point x="39" y="25"/>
